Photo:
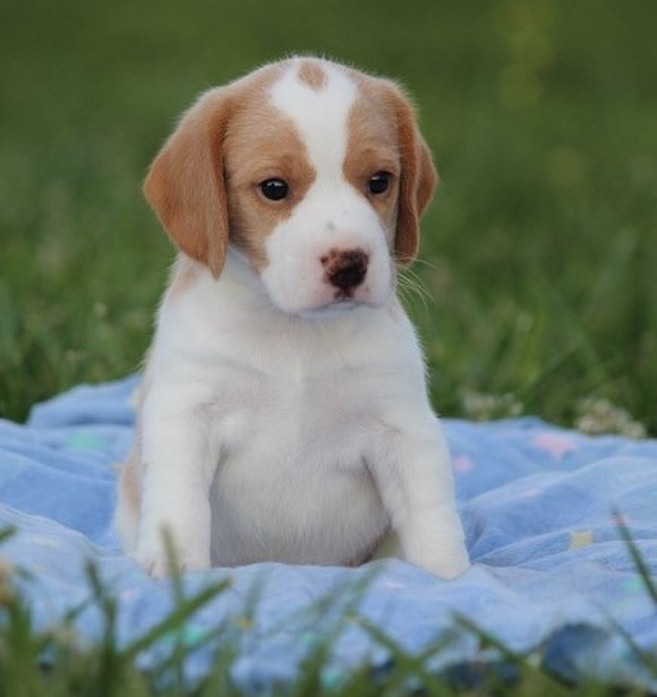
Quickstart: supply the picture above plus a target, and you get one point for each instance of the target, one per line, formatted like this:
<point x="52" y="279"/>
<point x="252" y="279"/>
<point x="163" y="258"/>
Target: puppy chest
<point x="293" y="479"/>
<point x="287" y="420"/>
<point x="294" y="502"/>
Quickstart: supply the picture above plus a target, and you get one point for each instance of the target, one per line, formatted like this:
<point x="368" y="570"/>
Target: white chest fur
<point x="291" y="409"/>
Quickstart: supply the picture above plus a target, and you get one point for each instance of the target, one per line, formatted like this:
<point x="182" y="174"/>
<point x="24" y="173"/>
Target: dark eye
<point x="380" y="183"/>
<point x="274" y="189"/>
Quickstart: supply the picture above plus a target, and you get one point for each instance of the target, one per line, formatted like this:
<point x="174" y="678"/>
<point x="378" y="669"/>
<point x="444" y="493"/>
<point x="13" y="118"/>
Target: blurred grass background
<point x="539" y="253"/>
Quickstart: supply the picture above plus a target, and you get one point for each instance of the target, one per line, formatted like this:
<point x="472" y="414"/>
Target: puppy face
<point x="315" y="173"/>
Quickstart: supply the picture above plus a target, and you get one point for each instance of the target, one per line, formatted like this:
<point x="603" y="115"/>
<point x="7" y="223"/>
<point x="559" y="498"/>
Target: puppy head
<point x="315" y="173"/>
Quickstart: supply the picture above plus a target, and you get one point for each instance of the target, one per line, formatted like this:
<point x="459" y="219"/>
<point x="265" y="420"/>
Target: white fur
<point x="272" y="430"/>
<point x="332" y="214"/>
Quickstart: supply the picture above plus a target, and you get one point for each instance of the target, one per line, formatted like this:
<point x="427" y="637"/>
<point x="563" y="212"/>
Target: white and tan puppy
<point x="283" y="413"/>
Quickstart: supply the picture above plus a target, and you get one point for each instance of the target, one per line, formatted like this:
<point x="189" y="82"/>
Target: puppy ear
<point x="418" y="179"/>
<point x="185" y="184"/>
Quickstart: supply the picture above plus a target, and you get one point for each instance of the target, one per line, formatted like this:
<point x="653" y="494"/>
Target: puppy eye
<point x="274" y="189"/>
<point x="380" y="183"/>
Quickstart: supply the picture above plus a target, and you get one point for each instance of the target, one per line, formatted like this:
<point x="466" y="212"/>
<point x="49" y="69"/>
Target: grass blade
<point x="637" y="557"/>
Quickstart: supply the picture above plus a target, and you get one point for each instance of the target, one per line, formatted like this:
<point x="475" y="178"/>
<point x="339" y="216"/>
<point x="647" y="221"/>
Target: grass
<point x="538" y="255"/>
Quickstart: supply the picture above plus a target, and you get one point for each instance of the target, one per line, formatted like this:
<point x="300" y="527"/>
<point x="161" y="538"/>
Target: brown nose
<point x="345" y="269"/>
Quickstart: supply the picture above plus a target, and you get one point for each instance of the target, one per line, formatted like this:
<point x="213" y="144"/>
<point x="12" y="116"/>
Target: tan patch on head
<point x="187" y="183"/>
<point x="312" y="74"/>
<point x="261" y="143"/>
<point x="372" y="148"/>
<point x="384" y="136"/>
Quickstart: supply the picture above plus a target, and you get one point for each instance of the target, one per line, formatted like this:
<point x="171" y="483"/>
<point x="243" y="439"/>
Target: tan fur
<point x="312" y="74"/>
<point x="204" y="183"/>
<point x="130" y="477"/>
<point x="132" y="469"/>
<point x="185" y="183"/>
<point x="261" y="143"/>
<point x="371" y="148"/>
<point x="130" y="494"/>
<point x="384" y="135"/>
<point x="418" y="175"/>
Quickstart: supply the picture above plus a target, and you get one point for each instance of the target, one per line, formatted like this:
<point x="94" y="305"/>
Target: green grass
<point x="539" y="250"/>
<point x="539" y="253"/>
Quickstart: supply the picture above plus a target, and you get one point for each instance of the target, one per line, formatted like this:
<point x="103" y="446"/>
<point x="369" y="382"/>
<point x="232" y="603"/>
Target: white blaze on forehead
<point x="321" y="115"/>
<point x="318" y="98"/>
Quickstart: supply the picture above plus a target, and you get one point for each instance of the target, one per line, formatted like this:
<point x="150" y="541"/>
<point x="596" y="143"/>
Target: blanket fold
<point x="541" y="505"/>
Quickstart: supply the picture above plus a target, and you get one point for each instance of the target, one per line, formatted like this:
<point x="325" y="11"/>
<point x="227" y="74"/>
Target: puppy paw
<point x="451" y="568"/>
<point x="160" y="564"/>
<point x="155" y="567"/>
<point x="446" y="562"/>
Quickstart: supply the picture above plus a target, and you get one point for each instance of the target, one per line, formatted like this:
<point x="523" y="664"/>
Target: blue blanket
<point x="541" y="506"/>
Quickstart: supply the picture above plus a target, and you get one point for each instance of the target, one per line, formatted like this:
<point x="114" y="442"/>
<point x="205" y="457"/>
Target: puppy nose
<point x="345" y="268"/>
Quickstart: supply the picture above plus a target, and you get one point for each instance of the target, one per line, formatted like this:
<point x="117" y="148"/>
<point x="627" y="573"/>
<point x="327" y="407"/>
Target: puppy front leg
<point x="179" y="465"/>
<point x="411" y="466"/>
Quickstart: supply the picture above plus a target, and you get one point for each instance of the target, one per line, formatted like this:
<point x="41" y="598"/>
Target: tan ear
<point x="185" y="184"/>
<point x="418" y="179"/>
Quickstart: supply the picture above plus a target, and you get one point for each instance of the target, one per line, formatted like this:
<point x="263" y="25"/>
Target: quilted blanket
<point x="542" y="506"/>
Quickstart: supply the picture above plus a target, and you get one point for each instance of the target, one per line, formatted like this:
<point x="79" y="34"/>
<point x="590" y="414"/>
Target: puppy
<point x="283" y="413"/>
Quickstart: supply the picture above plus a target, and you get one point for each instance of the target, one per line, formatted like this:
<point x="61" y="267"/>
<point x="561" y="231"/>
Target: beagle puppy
<point x="283" y="414"/>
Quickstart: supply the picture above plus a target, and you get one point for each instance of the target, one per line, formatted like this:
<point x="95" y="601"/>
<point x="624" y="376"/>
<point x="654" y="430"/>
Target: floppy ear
<point x="185" y="184"/>
<point x="418" y="179"/>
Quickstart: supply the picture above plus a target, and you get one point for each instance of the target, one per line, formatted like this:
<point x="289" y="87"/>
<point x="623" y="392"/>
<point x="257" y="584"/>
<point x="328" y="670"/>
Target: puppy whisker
<point x="411" y="285"/>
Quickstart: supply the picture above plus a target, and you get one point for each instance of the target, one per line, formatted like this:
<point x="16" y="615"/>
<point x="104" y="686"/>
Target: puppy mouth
<point x="344" y="296"/>
<point x="343" y="302"/>
<point x="330" y="301"/>
<point x="346" y="282"/>
<point x="335" y="308"/>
